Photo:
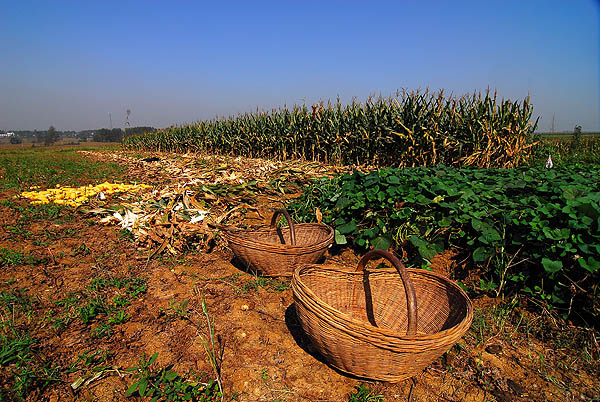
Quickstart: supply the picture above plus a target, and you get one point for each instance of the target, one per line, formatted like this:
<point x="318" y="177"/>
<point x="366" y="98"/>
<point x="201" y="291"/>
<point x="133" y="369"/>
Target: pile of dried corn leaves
<point x="193" y="194"/>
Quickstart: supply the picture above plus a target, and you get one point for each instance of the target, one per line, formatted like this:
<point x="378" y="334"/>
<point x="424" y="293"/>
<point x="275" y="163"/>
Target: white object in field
<point x="199" y="217"/>
<point x="549" y="163"/>
<point x="128" y="220"/>
<point x="101" y="196"/>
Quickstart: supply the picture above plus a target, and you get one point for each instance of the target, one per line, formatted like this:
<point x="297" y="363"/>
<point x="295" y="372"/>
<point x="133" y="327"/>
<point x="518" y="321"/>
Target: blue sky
<point x="71" y="64"/>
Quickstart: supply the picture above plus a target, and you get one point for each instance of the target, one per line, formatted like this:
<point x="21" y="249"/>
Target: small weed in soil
<point x="364" y="394"/>
<point x="22" y="368"/>
<point x="10" y="257"/>
<point x="18" y="231"/>
<point x="91" y="365"/>
<point x="166" y="384"/>
<point x="264" y="283"/>
<point x="125" y="234"/>
<point x="100" y="304"/>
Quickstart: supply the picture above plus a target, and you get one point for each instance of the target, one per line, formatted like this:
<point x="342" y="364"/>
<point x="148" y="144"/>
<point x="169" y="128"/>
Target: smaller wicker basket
<point x="277" y="251"/>
<point x="377" y="324"/>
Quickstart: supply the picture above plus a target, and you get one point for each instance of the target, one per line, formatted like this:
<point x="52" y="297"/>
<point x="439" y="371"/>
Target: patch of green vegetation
<point x="21" y="361"/>
<point x="529" y="230"/>
<point x="568" y="348"/>
<point x="10" y="257"/>
<point x="166" y="384"/>
<point x="118" y="318"/>
<point x="48" y="167"/>
<point x="125" y="234"/>
<point x="92" y="365"/>
<point x="82" y="249"/>
<point x="18" y="231"/>
<point x="41" y="212"/>
<point x="17" y="298"/>
<point x="99" y="305"/>
<point x="7" y="203"/>
<point x="364" y="394"/>
<point x="568" y="151"/>
<point x="257" y="282"/>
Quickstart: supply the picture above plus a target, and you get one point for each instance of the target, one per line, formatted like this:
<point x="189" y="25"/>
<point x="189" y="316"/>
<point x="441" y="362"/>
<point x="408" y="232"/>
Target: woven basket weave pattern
<point x="270" y="252"/>
<point x="360" y="327"/>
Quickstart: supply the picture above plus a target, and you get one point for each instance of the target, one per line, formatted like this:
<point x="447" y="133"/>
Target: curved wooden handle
<point x="411" y="299"/>
<point x="290" y="223"/>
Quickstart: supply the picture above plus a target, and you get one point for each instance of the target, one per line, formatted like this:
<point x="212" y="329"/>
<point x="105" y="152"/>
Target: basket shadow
<point x="293" y="324"/>
<point x="240" y="265"/>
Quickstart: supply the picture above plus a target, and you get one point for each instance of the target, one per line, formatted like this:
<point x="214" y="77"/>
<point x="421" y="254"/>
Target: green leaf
<point x="340" y="238"/>
<point x="348" y="228"/>
<point x="551" y="266"/>
<point x="490" y="236"/>
<point x="143" y="386"/>
<point x="132" y="388"/>
<point x="171" y="375"/>
<point x="393" y="179"/>
<point x="556" y="299"/>
<point x="342" y="203"/>
<point x="152" y="359"/>
<point x="481" y="254"/>
<point x="382" y="242"/>
<point x="426" y="249"/>
<point x="445" y="222"/>
<point x="571" y="193"/>
<point x="591" y="264"/>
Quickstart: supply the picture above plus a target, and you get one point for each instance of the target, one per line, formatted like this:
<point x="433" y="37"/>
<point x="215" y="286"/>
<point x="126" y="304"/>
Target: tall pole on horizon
<point x="110" y="118"/>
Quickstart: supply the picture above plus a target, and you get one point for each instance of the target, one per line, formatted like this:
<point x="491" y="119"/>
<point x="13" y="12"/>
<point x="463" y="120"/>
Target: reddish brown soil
<point x="266" y="356"/>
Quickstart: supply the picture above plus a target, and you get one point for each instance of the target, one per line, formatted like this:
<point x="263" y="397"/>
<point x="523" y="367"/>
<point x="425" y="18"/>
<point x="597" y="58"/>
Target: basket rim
<point x="392" y="335"/>
<point x="239" y="236"/>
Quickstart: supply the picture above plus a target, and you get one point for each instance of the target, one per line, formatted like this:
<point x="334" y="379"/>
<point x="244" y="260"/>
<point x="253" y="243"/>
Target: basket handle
<point x="290" y="223"/>
<point x="411" y="299"/>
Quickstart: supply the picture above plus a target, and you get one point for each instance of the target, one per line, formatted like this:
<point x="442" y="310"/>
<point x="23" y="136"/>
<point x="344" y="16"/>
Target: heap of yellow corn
<point x="75" y="196"/>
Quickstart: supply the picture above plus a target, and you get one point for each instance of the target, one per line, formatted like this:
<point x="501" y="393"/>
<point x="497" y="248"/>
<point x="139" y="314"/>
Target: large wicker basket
<point x="376" y="324"/>
<point x="277" y="251"/>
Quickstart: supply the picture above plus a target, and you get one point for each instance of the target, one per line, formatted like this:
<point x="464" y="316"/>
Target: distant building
<point x="6" y="135"/>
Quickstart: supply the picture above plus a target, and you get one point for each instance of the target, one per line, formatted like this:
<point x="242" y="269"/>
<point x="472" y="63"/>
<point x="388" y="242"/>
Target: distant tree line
<point x="117" y="134"/>
<point x="107" y="135"/>
<point x="52" y="135"/>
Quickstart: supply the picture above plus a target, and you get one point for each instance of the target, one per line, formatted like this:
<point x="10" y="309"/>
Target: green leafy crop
<point x="534" y="230"/>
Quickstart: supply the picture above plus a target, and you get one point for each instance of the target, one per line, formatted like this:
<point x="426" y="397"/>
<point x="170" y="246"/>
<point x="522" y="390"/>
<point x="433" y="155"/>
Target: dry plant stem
<point x="509" y="265"/>
<point x="210" y="349"/>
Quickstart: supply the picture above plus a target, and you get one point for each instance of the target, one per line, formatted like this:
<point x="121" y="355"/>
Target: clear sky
<point x="71" y="64"/>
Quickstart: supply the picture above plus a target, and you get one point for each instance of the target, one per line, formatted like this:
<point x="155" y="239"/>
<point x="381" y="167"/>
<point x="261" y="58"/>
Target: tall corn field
<point x="411" y="129"/>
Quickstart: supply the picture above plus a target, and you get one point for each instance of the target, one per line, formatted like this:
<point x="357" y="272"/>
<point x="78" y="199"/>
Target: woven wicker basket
<point x="277" y="251"/>
<point x="377" y="324"/>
